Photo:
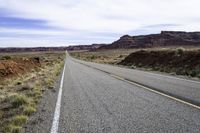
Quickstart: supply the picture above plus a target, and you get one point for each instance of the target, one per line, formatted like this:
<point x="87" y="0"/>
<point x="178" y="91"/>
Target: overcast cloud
<point x="65" y="22"/>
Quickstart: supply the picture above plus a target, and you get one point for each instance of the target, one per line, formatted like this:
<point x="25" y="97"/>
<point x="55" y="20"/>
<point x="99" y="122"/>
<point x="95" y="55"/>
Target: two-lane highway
<point x="187" y="90"/>
<point x="94" y="101"/>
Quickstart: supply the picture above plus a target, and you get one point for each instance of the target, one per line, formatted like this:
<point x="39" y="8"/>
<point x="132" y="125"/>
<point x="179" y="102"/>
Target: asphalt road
<point x="188" y="90"/>
<point x="94" y="101"/>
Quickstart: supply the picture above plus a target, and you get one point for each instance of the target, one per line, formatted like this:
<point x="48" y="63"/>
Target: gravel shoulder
<point x="41" y="121"/>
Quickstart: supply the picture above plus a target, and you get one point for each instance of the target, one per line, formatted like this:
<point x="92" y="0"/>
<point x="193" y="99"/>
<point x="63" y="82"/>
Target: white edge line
<point x="54" y="128"/>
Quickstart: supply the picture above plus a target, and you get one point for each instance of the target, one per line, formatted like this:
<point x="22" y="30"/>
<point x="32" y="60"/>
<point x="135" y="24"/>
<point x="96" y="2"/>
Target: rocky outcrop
<point x="85" y="47"/>
<point x="165" y="38"/>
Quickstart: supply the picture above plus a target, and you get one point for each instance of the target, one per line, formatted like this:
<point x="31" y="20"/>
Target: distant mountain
<point x="165" y="38"/>
<point x="85" y="47"/>
<point x="38" y="49"/>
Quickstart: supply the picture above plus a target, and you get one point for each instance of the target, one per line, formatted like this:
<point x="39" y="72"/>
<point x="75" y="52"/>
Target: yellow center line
<point x="157" y="92"/>
<point x="147" y="88"/>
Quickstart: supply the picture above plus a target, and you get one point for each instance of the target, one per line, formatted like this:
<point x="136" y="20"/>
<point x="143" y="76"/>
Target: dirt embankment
<point x="24" y="78"/>
<point x="179" y="61"/>
<point x="16" y="67"/>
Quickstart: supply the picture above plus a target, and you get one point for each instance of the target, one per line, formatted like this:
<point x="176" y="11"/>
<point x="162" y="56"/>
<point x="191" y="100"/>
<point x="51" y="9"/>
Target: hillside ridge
<point x="165" y="38"/>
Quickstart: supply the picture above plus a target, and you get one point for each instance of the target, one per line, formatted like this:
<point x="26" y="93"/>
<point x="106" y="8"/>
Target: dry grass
<point x="19" y="100"/>
<point x="114" y="57"/>
<point x="29" y="110"/>
<point x="103" y="56"/>
<point x="117" y="55"/>
<point x="19" y="120"/>
<point x="107" y="56"/>
<point x="19" y="95"/>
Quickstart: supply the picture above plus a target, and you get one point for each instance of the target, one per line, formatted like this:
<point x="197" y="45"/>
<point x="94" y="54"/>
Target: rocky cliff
<point x="165" y="38"/>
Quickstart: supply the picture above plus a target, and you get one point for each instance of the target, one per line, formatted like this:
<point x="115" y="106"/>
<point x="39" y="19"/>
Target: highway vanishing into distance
<point x="97" y="98"/>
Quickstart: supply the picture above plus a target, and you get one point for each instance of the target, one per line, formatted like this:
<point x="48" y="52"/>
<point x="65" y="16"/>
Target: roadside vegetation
<point x="178" y="61"/>
<point x="172" y="60"/>
<point x="102" y="56"/>
<point x="23" y="80"/>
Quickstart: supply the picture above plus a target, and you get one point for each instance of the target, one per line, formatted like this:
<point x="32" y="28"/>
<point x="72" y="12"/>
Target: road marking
<point x="166" y="76"/>
<point x="157" y="92"/>
<point x="115" y="76"/>
<point x="54" y="128"/>
<point x="146" y="88"/>
<point x="171" y="77"/>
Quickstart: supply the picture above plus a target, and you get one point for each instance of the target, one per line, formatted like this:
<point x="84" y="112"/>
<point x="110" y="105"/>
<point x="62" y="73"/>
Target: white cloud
<point x="84" y="17"/>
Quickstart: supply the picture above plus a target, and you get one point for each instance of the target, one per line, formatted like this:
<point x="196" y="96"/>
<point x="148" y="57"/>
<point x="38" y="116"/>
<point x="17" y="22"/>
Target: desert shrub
<point x="179" y="71"/>
<point x="133" y="66"/>
<point x="18" y="82"/>
<point x="19" y="120"/>
<point x="180" y="51"/>
<point x="28" y="110"/>
<point x="16" y="124"/>
<point x="58" y="68"/>
<point x="19" y="100"/>
<point x="120" y="56"/>
<point x="37" y="91"/>
<point x="92" y="57"/>
<point x="15" y="129"/>
<point x="37" y="59"/>
<point x="140" y="65"/>
<point x="6" y="57"/>
<point x="49" y="82"/>
<point x="193" y="73"/>
<point x="26" y="87"/>
<point x="162" y="69"/>
<point x="155" y="68"/>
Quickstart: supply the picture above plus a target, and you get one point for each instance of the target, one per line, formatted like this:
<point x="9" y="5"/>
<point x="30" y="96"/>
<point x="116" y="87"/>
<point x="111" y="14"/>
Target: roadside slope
<point x="24" y="80"/>
<point x="178" y="61"/>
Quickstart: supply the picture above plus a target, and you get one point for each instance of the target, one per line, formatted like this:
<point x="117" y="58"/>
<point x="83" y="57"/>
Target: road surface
<point x="94" y="101"/>
<point x="96" y="98"/>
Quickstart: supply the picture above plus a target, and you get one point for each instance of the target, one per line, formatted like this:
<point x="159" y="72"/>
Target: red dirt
<point x="178" y="61"/>
<point x="16" y="67"/>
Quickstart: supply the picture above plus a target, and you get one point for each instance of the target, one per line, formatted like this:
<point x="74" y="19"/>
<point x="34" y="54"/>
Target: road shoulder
<point x="41" y="121"/>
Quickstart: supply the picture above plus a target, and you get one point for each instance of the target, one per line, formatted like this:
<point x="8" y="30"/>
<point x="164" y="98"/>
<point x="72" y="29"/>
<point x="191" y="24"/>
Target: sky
<point x="33" y="23"/>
